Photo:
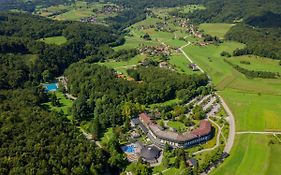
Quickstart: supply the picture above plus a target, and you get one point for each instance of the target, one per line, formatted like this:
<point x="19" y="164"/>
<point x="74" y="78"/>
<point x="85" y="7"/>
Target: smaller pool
<point x="51" y="87"/>
<point x="128" y="149"/>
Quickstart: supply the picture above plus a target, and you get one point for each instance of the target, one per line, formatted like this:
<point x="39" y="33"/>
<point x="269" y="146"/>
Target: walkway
<point x="217" y="141"/>
<point x="259" y="132"/>
<point x="89" y="137"/>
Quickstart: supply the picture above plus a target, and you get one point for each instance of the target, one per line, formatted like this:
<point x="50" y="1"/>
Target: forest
<point x="19" y="36"/>
<point x="102" y="96"/>
<point x="34" y="141"/>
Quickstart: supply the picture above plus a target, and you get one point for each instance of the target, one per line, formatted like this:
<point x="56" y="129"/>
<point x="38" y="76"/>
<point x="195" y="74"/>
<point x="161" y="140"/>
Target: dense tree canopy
<point x="107" y="95"/>
<point x="34" y="141"/>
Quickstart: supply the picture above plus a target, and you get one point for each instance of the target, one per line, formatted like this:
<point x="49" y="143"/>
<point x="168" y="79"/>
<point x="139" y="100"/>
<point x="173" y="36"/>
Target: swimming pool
<point x="128" y="149"/>
<point x="51" y="87"/>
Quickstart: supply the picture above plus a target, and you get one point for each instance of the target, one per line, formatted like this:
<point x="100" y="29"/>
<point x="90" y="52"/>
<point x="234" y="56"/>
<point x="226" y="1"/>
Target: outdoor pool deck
<point x="132" y="151"/>
<point x="51" y="87"/>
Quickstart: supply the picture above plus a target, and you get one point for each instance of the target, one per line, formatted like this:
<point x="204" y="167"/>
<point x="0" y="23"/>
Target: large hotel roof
<point x="204" y="129"/>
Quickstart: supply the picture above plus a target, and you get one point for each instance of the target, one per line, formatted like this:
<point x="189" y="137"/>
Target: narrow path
<point x="277" y="138"/>
<point x="258" y="132"/>
<point x="217" y="141"/>
<point x="89" y="137"/>
<point x="189" y="59"/>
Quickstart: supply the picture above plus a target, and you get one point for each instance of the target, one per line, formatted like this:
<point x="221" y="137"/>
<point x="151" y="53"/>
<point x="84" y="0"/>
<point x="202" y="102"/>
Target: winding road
<point x="231" y="121"/>
<point x="231" y="136"/>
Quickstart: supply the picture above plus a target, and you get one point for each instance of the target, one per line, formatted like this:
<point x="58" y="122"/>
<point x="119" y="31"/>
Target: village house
<point x="194" y="67"/>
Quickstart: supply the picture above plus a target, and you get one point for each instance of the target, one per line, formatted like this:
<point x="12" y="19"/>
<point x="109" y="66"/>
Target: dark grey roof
<point x="150" y="153"/>
<point x="193" y="161"/>
<point x="136" y="121"/>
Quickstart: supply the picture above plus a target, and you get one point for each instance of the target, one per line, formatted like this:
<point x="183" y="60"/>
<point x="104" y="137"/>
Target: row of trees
<point x="252" y="73"/>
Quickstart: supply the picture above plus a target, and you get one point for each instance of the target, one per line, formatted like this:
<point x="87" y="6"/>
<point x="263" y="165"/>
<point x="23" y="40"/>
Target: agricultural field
<point x="57" y="40"/>
<point x="256" y="63"/>
<point x="216" y="29"/>
<point x="75" y="12"/>
<point x="254" y="112"/>
<point x="209" y="59"/>
<point x="249" y="148"/>
<point x="122" y="66"/>
<point x="181" y="64"/>
<point x="162" y="12"/>
<point x="254" y="102"/>
<point x="172" y="39"/>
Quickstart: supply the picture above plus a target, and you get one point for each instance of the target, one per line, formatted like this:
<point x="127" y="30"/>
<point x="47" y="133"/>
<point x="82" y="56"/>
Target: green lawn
<point x="177" y="125"/>
<point x="216" y="29"/>
<point x="251" y="155"/>
<point x="65" y="105"/>
<point x="58" y="40"/>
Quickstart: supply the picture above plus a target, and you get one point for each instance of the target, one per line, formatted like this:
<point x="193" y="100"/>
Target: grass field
<point x="122" y="66"/>
<point x="254" y="112"/>
<point x="252" y="155"/>
<point x="181" y="63"/>
<point x="58" y="40"/>
<point x="216" y="29"/>
<point x="209" y="59"/>
<point x="254" y="102"/>
<point x="75" y="11"/>
<point x="65" y="105"/>
<point x="184" y="9"/>
<point x="257" y="63"/>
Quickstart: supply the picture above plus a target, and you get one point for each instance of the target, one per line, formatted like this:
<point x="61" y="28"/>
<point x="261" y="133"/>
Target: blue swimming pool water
<point x="51" y="87"/>
<point x="128" y="149"/>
